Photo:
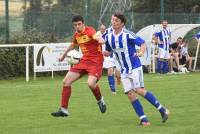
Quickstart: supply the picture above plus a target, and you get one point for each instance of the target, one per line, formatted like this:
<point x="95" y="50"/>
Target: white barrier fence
<point x="46" y="57"/>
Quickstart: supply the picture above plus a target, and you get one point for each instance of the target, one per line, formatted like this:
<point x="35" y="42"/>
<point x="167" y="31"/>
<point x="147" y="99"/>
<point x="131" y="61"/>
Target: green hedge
<point x="12" y="60"/>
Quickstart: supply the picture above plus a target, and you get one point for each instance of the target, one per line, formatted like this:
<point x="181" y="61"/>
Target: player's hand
<point x="153" y="41"/>
<point x="106" y="53"/>
<point x="138" y="54"/>
<point x="61" y="58"/>
<point x="101" y="40"/>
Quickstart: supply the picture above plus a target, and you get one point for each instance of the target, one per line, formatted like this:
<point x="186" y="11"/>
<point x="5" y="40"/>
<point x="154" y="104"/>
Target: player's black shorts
<point x="183" y="60"/>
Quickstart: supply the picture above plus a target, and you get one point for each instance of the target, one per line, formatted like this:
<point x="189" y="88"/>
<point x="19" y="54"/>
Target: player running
<point x="91" y="63"/>
<point x="122" y="43"/>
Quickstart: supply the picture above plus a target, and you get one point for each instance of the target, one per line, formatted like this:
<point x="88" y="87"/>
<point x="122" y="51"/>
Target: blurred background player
<point x="163" y="38"/>
<point x="117" y="66"/>
<point x="174" y="55"/>
<point x="197" y="36"/>
<point x="122" y="43"/>
<point x="109" y="63"/>
<point x="185" y="58"/>
<point x="91" y="63"/>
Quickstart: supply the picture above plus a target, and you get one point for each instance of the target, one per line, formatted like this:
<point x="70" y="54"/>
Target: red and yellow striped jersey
<point x="90" y="48"/>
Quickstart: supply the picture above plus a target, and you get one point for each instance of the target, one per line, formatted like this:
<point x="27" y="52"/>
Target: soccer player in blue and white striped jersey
<point x="122" y="43"/>
<point x="110" y="64"/>
<point x="163" y="39"/>
<point x="197" y="36"/>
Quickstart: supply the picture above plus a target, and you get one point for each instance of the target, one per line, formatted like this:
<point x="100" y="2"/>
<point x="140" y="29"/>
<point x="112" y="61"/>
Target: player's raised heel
<point x="60" y="113"/>
<point x="102" y="105"/>
<point x="114" y="93"/>
<point x="165" y="115"/>
<point x="144" y="123"/>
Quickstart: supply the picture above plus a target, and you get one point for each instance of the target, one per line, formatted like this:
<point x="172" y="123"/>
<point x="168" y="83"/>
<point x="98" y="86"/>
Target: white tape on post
<point x="27" y="63"/>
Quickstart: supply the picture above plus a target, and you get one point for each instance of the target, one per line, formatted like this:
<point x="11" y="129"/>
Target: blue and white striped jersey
<point x="123" y="46"/>
<point x="108" y="30"/>
<point x="198" y="35"/>
<point x="164" y="35"/>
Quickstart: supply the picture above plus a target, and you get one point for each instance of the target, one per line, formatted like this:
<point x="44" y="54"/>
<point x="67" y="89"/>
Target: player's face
<point x="78" y="26"/>
<point x="164" y="24"/>
<point x="116" y="23"/>
<point x="179" y="41"/>
<point x="102" y="28"/>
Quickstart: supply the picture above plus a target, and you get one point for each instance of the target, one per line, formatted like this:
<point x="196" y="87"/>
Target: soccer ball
<point x="184" y="70"/>
<point x="73" y="57"/>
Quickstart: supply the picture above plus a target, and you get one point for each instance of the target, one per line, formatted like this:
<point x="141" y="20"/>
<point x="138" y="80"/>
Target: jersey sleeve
<point x="108" y="30"/>
<point x="157" y="34"/>
<point x="134" y="39"/>
<point x="104" y="34"/>
<point x="198" y="35"/>
<point x="139" y="41"/>
<point x="91" y="32"/>
<point x="107" y="45"/>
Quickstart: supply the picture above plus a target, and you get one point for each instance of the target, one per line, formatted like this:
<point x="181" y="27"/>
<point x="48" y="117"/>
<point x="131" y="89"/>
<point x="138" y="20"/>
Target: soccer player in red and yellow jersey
<point x="91" y="63"/>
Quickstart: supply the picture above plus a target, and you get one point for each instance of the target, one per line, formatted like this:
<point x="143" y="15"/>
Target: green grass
<point x="25" y="107"/>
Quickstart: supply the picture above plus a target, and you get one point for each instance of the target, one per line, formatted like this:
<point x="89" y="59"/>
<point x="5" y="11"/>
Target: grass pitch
<point x="25" y="107"/>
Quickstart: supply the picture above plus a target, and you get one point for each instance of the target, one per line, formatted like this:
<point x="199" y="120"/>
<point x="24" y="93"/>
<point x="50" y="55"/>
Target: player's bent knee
<point x="131" y="95"/>
<point x="67" y="83"/>
<point x="91" y="85"/>
<point x="141" y="91"/>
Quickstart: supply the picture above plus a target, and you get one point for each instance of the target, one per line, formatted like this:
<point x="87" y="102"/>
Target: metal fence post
<point x="27" y="63"/>
<point x="7" y="20"/>
<point x="162" y="9"/>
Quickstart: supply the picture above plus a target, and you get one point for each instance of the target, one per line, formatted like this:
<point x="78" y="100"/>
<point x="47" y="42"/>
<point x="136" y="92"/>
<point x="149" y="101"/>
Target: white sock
<point x="64" y="110"/>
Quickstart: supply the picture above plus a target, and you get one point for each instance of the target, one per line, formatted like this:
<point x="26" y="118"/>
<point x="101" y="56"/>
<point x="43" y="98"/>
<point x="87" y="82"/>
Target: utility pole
<point x="7" y="20"/>
<point x="162" y="10"/>
<point x="86" y="10"/>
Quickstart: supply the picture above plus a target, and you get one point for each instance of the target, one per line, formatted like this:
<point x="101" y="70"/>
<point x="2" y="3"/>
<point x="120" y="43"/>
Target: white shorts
<point x="108" y="62"/>
<point x="118" y="68"/>
<point x="133" y="80"/>
<point x="163" y="54"/>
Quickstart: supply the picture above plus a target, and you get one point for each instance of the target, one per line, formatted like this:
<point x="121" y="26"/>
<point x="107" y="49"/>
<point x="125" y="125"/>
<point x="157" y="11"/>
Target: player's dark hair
<point x="164" y="21"/>
<point x="77" y="17"/>
<point x="120" y="16"/>
<point x="185" y="40"/>
<point x="180" y="38"/>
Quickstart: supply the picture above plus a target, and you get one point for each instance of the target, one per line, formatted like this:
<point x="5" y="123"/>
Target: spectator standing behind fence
<point x="174" y="54"/>
<point x="163" y="38"/>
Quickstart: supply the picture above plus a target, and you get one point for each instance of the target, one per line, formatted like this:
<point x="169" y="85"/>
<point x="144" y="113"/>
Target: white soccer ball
<point x="73" y="57"/>
<point x="184" y="70"/>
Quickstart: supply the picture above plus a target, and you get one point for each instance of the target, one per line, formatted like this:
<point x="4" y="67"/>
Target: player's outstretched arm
<point x="141" y="51"/>
<point x="62" y="57"/>
<point x="106" y="53"/>
<point x="98" y="37"/>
